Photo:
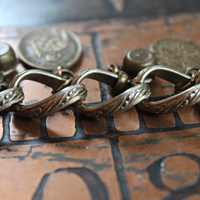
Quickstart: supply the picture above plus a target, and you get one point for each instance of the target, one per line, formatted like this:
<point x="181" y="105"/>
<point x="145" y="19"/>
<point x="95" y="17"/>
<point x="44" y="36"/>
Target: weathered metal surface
<point x="49" y="47"/>
<point x="176" y="53"/>
<point x="134" y="155"/>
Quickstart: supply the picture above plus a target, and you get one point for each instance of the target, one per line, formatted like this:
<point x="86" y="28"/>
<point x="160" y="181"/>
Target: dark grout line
<point x="7" y="142"/>
<point x="143" y="126"/>
<point x="6" y="127"/>
<point x="43" y="129"/>
<point x="78" y="125"/>
<point x="119" y="168"/>
<point x="110" y="125"/>
<point x="178" y="122"/>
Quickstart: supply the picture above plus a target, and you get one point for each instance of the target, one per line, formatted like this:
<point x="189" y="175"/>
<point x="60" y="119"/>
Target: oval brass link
<point x="176" y="77"/>
<point x="44" y="77"/>
<point x="55" y="102"/>
<point x="195" y="79"/>
<point x="176" y="102"/>
<point x="120" y="103"/>
<point x="10" y="96"/>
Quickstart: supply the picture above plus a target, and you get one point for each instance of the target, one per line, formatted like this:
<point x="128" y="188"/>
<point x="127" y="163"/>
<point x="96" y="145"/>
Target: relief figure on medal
<point x="49" y="47"/>
<point x="176" y="53"/>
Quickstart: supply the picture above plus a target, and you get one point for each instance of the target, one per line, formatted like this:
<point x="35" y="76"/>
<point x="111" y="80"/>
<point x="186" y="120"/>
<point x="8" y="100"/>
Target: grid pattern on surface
<point x="123" y="143"/>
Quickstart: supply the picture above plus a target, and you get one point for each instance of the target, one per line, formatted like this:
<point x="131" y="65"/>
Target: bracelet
<point x="139" y="67"/>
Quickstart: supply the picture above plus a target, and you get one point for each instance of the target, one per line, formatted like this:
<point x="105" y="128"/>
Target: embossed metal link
<point x="176" y="102"/>
<point x="195" y="79"/>
<point x="9" y="96"/>
<point x="55" y="102"/>
<point x="121" y="102"/>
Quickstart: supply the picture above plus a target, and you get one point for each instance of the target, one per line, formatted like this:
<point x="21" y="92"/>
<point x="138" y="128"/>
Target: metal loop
<point x="55" y="102"/>
<point x="196" y="78"/>
<point x="113" y="68"/>
<point x="101" y="75"/>
<point x="65" y="84"/>
<point x="123" y="101"/>
<point x="121" y="82"/>
<point x="176" y="102"/>
<point x="39" y="76"/>
<point x="176" y="77"/>
<point x="65" y="73"/>
<point x="9" y="97"/>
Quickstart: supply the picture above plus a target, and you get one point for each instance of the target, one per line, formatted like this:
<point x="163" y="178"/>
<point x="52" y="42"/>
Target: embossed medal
<point x="176" y="53"/>
<point x="49" y="47"/>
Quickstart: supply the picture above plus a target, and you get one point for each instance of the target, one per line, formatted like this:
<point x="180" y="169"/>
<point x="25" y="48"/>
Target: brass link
<point x="129" y="81"/>
<point x="59" y="100"/>
<point x="113" y="68"/>
<point x="184" y="99"/>
<point x="121" y="84"/>
<point x="194" y="80"/>
<point x="119" y="103"/>
<point x="64" y="73"/>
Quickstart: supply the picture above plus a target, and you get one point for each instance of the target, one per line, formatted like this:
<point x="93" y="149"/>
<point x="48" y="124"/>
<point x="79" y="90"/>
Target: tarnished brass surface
<point x="10" y="96"/>
<point x="2" y="81"/>
<point x="120" y="103"/>
<point x="8" y="60"/>
<point x="130" y="91"/>
<point x="182" y="55"/>
<point x="174" y="103"/>
<point x="136" y="60"/>
<point x="120" y="86"/>
<point x="131" y="155"/>
<point x="174" y="76"/>
<point x="55" y="102"/>
<point x="49" y="47"/>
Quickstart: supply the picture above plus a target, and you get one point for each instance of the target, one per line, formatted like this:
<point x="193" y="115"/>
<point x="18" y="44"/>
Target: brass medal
<point x="47" y="48"/>
<point x="176" y="53"/>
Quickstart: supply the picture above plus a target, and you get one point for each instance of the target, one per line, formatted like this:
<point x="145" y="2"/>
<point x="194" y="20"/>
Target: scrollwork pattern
<point x="10" y="96"/>
<point x="122" y="102"/>
<point x="55" y="102"/>
<point x="174" y="103"/>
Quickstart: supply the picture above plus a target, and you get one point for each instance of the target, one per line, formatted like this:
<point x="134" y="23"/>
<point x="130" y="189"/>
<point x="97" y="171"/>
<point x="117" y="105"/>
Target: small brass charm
<point x="136" y="60"/>
<point x="8" y="60"/>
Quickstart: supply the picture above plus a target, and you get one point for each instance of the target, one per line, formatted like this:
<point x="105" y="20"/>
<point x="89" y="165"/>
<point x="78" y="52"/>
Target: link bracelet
<point x="141" y="66"/>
